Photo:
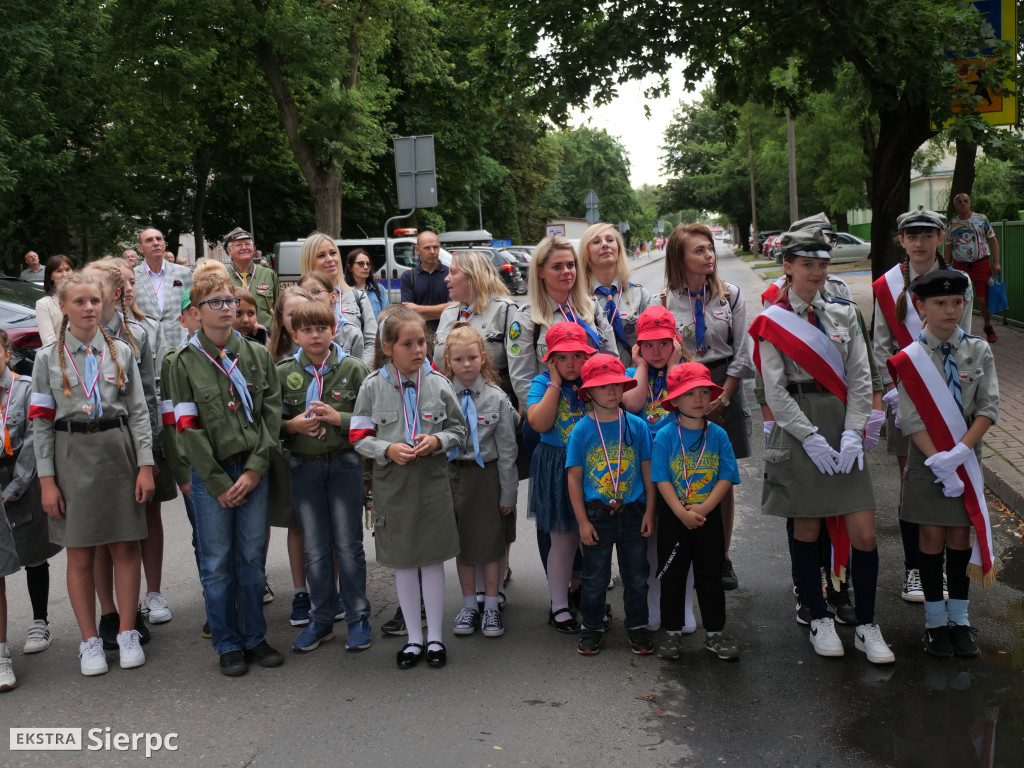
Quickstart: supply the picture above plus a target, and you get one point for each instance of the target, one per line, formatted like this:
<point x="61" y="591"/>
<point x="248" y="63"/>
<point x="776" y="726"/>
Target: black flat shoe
<point x="437" y="654"/>
<point x="567" y="626"/>
<point x="408" y="660"/>
<point x="264" y="655"/>
<point x="233" y="664"/>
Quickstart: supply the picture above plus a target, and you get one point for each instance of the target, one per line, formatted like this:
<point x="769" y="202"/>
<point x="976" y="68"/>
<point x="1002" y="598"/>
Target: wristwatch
<point x="725" y="401"/>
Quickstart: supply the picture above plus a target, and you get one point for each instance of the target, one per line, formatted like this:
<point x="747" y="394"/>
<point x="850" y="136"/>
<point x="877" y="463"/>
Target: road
<point x="528" y="698"/>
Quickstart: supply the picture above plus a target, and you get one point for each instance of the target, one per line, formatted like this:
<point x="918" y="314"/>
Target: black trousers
<point x="705" y="548"/>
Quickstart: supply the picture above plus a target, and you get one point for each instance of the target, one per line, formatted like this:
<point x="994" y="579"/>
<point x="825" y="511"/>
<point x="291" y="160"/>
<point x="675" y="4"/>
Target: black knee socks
<point x="38" y="579"/>
<point x="956" y="573"/>
<point x="910" y="533"/>
<point x="865" y="580"/>
<point x="808" y="568"/>
<point x="931" y="576"/>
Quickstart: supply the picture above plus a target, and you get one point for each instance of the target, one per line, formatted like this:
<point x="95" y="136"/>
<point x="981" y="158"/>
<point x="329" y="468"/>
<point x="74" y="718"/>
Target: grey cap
<point x="817" y="221"/>
<point x="811" y="243"/>
<point x="236" y="234"/>
<point x="920" y="217"/>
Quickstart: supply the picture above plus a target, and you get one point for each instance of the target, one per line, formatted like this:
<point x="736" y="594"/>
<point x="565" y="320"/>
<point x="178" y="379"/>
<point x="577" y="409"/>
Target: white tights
<point x="563" y="552"/>
<point x="407" y="582"/>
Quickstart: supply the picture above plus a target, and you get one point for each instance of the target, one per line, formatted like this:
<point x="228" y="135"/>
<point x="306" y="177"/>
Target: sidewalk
<point x="1003" y="455"/>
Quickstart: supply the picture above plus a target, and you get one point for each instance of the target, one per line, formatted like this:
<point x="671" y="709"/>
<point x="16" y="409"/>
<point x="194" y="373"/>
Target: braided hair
<point x="134" y="307"/>
<point x="71" y="281"/>
<point x="114" y="278"/>
<point x="901" y="302"/>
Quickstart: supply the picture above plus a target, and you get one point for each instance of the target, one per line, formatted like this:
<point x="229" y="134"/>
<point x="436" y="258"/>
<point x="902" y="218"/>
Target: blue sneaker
<point x="312" y="636"/>
<point x="359" y="636"/>
<point x="340" y="615"/>
<point x="300" y="609"/>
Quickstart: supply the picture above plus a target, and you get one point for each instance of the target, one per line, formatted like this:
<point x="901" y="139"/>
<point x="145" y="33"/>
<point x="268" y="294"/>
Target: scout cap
<point x="236" y="234"/>
<point x="920" y="217"/>
<point x="656" y="322"/>
<point x="566" y="337"/>
<point x="817" y="221"/>
<point x="186" y="300"/>
<point x="941" y="282"/>
<point x="683" y="378"/>
<point x="605" y="369"/>
<point x="810" y="243"/>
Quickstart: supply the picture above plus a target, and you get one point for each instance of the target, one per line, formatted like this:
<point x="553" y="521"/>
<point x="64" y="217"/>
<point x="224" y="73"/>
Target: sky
<point x="624" y="118"/>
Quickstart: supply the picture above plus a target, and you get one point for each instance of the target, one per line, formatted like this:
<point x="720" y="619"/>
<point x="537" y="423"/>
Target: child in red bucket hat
<point x="694" y="466"/>
<point x="554" y="406"/>
<point x="609" y="464"/>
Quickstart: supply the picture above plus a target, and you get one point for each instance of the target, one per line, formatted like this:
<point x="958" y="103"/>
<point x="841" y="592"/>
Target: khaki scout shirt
<point x="261" y="282"/>
<point x="496" y="431"/>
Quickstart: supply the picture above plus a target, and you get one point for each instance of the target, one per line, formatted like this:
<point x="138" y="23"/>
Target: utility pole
<point x="791" y="142"/>
<point x="753" y="189"/>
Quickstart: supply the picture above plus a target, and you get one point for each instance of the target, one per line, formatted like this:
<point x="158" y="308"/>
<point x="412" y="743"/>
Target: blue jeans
<point x="328" y="501"/>
<point x="621" y="530"/>
<point x="231" y="544"/>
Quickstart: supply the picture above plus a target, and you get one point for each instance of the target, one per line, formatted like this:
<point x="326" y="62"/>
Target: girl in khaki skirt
<point x="92" y="432"/>
<point x="483" y="474"/>
<point x="407" y="419"/>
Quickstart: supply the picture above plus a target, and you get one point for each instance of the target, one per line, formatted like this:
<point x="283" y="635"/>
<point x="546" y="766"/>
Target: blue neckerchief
<point x="92" y="375"/>
<point x="611" y="312"/>
<point x="469" y="411"/>
<point x="311" y="392"/>
<point x="572" y="396"/>
<point x="949" y="368"/>
<point x="237" y="378"/>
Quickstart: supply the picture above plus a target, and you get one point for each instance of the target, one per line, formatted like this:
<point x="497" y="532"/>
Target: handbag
<point x="997" y="300"/>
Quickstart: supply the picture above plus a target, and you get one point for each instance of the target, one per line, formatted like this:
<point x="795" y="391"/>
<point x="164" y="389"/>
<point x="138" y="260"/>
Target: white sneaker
<point x="868" y="638"/>
<point x="824" y="638"/>
<point x="912" y="591"/>
<point x="8" y="681"/>
<point x="131" y="650"/>
<point x="92" y="657"/>
<point x="38" y="637"/>
<point x="159" y="613"/>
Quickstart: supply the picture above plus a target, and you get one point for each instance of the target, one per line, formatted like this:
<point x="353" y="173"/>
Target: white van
<point x="389" y="262"/>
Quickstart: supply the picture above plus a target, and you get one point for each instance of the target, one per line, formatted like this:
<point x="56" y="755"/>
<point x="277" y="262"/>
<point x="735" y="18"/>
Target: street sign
<point x="415" y="179"/>
<point x="555" y="230"/>
<point x="661" y="226"/>
<point x="591" y="202"/>
<point x="623" y="227"/>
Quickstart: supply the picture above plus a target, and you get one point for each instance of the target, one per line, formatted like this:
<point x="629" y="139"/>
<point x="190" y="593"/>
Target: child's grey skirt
<point x="549" y="501"/>
<point x="476" y="492"/>
<point x="923" y="500"/>
<point x="9" y="562"/>
<point x="794" y="487"/>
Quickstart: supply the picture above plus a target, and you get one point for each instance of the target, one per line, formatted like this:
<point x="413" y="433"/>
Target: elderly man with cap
<point x="160" y="284"/>
<point x="245" y="273"/>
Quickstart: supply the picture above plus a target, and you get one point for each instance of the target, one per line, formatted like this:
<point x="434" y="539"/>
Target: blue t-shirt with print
<point x="566" y="418"/>
<point x="584" y="450"/>
<point x="703" y="470"/>
<point x="653" y="413"/>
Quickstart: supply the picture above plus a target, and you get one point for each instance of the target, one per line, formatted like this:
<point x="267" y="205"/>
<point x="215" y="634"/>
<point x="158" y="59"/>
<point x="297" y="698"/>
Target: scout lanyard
<point x="465" y="313"/>
<point x="3" y="416"/>
<point x="655" y="401"/>
<point x="688" y="479"/>
<point x="157" y="290"/>
<point x="242" y="280"/>
<point x="411" y="423"/>
<point x="607" y="460"/>
<point x="87" y="390"/>
<point x="568" y="404"/>
<point x="570" y="316"/>
<point x="228" y="372"/>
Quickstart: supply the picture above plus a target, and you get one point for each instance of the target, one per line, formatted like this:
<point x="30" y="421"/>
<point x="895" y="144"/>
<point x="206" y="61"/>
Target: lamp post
<point x="247" y="178"/>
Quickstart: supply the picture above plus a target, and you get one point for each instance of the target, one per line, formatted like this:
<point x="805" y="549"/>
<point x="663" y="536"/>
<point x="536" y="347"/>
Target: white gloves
<point x="945" y="463"/>
<point x="768" y="428"/>
<point x="851" y="450"/>
<point x="822" y="454"/>
<point x="952" y="486"/>
<point x="873" y="429"/>
<point x="892" y="397"/>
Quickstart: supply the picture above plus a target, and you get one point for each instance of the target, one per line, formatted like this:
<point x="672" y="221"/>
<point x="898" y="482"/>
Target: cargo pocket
<point x="776" y="455"/>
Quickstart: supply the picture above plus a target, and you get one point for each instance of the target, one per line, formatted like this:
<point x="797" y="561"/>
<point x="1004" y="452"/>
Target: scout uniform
<point x="722" y="345"/>
<point x="349" y="338"/>
<point x="258" y="280"/>
<point x="493" y="324"/>
<point x="353" y="306"/>
<point x="90" y="447"/>
<point x="621" y="308"/>
<point x="413" y="516"/>
<point x="526" y="343"/>
<point x="485" y="479"/>
<point x="24" y="503"/>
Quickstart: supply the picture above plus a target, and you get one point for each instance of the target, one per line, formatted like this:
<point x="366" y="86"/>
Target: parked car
<point x="524" y="256"/>
<point x="507" y="265"/>
<point x="850" y="248"/>
<point x="18" y="317"/>
<point x="763" y="235"/>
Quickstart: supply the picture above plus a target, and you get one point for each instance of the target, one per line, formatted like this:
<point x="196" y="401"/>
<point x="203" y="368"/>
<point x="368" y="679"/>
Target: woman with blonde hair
<point x="320" y="253"/>
<point x="483" y="302"/>
<point x="607" y="272"/>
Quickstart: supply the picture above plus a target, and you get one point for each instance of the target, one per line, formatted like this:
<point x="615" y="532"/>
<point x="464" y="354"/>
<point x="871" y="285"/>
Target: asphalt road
<point x="528" y="698"/>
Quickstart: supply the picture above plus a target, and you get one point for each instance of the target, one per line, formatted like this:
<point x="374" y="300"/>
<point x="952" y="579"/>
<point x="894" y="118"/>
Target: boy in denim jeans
<point x="608" y="457"/>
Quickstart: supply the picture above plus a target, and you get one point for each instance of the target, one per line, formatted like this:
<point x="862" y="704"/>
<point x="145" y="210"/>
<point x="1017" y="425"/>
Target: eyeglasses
<point x="317" y="291"/>
<point x="217" y="304"/>
<point x="361" y="264"/>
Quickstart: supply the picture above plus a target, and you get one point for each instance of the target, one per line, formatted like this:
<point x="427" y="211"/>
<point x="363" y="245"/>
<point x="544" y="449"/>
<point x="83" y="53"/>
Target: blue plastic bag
<point x="997" y="301"/>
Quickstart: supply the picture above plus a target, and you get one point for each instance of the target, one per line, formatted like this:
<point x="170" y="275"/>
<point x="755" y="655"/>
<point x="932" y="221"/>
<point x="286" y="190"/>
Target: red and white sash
<point x="808" y="346"/>
<point x="927" y="389"/>
<point x="887" y="290"/>
<point x="772" y="292"/>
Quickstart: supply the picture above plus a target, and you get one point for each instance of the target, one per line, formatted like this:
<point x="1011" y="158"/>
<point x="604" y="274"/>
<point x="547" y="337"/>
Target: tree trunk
<point x="325" y="189"/>
<point x="963" y="172"/>
<point x="202" y="178"/>
<point x="901" y="131"/>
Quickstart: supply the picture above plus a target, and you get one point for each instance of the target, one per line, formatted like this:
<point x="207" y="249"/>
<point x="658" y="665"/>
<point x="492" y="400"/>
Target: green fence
<point x="1011" y="257"/>
<point x="863" y="231"/>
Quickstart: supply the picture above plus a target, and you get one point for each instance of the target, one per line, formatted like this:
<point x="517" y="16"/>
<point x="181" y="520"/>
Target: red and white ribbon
<point x="887" y="290"/>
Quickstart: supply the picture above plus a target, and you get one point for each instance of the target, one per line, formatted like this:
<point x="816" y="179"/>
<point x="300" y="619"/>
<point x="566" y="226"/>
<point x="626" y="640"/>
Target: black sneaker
<point x="803" y="611"/>
<point x="264" y="655"/>
<point x="963" y="640"/>
<point x="233" y="664"/>
<point x="938" y="641"/>
<point x="110" y="625"/>
<point x="205" y="632"/>
<point x="140" y="627"/>
<point x="590" y="642"/>
<point x="840" y="605"/>
<point x="396" y="626"/>
<point x="729" y="580"/>
<point x="607" y="621"/>
<point x="640" y="641"/>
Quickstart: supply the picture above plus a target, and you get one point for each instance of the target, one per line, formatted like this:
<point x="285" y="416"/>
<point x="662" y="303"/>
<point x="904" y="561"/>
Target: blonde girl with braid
<point x="94" y="456"/>
<point x="896" y="324"/>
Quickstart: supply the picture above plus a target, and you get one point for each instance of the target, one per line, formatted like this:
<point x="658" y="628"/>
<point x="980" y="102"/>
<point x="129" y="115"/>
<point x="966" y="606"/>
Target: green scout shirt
<point x="341" y="385"/>
<point x="261" y="282"/>
<point x="180" y="467"/>
<point x="198" y="384"/>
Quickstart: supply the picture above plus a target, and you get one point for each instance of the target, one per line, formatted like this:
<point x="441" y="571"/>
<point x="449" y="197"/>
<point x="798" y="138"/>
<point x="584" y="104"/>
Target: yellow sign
<point x="997" y="106"/>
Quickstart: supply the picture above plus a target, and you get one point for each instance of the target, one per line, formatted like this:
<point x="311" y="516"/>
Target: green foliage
<point x="995" y="193"/>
